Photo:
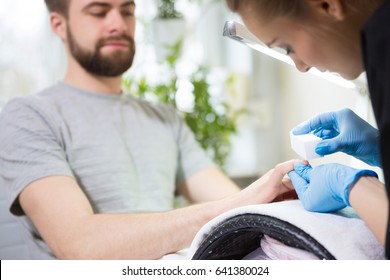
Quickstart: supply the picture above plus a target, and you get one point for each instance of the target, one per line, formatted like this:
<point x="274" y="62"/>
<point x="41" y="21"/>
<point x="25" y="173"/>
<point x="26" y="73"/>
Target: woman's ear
<point x="332" y="8"/>
<point x="58" y="24"/>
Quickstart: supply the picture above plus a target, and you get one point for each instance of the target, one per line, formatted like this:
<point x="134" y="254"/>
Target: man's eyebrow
<point x="107" y="5"/>
<point x="128" y="3"/>
<point x="96" y="4"/>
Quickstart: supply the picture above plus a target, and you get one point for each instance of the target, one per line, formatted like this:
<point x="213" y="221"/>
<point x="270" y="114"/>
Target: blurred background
<point x="240" y="103"/>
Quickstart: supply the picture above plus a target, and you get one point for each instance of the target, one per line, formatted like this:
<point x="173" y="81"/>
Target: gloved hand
<point x="344" y="131"/>
<point x="325" y="188"/>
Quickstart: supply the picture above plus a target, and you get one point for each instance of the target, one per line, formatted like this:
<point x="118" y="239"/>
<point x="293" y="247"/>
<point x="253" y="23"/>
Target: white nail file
<point x="304" y="145"/>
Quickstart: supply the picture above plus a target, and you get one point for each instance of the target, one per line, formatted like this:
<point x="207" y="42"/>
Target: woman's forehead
<point x="268" y="30"/>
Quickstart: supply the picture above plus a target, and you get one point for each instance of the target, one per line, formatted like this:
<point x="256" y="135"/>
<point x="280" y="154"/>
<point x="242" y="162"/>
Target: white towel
<point x="272" y="249"/>
<point x="342" y="233"/>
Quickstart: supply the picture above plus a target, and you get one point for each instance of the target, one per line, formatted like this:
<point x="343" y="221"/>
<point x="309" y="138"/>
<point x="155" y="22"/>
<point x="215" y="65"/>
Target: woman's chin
<point x="351" y="76"/>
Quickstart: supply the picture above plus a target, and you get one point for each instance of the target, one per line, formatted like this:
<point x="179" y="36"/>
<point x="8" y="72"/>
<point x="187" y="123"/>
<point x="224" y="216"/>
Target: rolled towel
<point x="237" y="233"/>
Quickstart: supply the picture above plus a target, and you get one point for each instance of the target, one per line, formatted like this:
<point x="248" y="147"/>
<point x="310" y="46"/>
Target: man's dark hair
<point x="59" y="6"/>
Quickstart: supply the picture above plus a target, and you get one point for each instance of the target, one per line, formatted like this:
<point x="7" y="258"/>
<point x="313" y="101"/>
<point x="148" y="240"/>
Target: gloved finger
<point x="323" y="120"/>
<point x="299" y="183"/>
<point x="326" y="133"/>
<point x="330" y="146"/>
<point x="303" y="128"/>
<point x="303" y="171"/>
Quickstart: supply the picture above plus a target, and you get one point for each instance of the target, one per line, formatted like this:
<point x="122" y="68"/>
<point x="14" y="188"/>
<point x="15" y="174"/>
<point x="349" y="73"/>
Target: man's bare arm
<point x="64" y="217"/>
<point x="207" y="185"/>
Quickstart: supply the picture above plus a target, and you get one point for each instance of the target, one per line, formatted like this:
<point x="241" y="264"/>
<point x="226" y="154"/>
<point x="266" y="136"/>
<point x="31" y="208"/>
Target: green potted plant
<point x="168" y="27"/>
<point x="167" y="9"/>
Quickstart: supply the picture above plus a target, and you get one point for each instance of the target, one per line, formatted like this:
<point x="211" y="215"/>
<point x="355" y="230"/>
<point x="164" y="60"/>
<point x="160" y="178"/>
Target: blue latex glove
<point x="325" y="188"/>
<point x="344" y="131"/>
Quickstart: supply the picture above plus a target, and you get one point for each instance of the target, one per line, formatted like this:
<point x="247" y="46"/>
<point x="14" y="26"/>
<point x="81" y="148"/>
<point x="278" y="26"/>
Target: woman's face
<point x="335" y="48"/>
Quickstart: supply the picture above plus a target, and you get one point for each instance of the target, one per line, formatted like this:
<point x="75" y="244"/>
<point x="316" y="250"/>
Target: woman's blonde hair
<point x="269" y="9"/>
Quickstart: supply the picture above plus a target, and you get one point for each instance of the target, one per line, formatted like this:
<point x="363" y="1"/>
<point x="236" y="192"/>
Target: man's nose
<point x="116" y="23"/>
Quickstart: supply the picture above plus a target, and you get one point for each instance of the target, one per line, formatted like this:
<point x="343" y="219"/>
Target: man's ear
<point x="332" y="8"/>
<point x="58" y="25"/>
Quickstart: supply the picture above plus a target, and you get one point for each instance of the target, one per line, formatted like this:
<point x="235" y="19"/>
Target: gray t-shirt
<point x="127" y="155"/>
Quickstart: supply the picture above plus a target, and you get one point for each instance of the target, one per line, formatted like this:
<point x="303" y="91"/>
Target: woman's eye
<point x="282" y="50"/>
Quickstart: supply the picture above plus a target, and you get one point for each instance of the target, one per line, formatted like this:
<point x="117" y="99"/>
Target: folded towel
<point x="237" y="233"/>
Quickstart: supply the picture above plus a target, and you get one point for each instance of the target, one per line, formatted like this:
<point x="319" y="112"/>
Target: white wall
<point x="30" y="56"/>
<point x="304" y="95"/>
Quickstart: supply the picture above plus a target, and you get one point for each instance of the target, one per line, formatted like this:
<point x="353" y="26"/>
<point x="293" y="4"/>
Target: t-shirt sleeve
<point x="31" y="148"/>
<point x="192" y="157"/>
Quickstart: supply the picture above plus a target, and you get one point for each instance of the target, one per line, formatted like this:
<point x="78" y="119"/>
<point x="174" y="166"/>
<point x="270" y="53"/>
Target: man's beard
<point x="96" y="63"/>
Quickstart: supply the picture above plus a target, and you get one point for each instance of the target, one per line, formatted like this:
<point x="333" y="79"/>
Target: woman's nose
<point x="300" y="65"/>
